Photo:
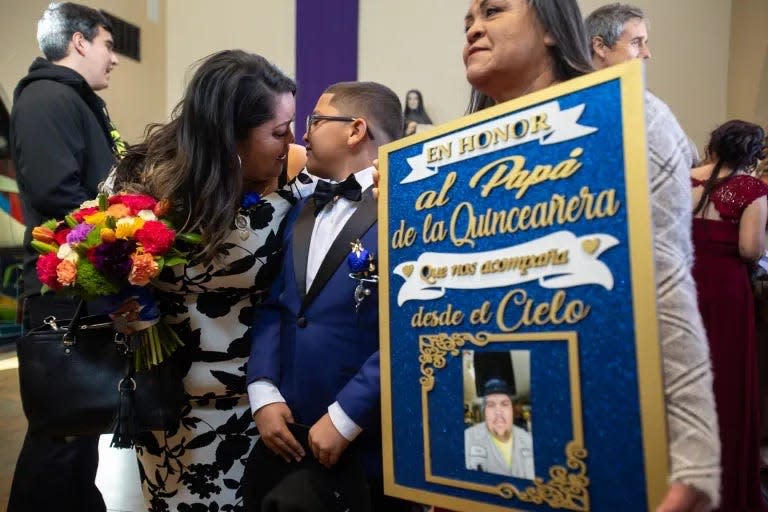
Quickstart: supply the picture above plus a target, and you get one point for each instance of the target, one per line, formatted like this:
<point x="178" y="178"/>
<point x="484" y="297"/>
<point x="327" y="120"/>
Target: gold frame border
<point x="648" y="350"/>
<point x="565" y="489"/>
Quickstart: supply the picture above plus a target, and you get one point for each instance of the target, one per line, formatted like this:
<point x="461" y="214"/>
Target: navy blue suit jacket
<point x="312" y="344"/>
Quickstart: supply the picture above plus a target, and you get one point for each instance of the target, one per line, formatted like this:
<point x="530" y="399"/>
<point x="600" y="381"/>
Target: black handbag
<point x="76" y="378"/>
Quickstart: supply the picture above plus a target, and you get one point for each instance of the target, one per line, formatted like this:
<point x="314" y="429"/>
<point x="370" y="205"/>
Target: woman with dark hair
<point x="516" y="47"/>
<point x="414" y="113"/>
<point x="730" y="210"/>
<point x="219" y="164"/>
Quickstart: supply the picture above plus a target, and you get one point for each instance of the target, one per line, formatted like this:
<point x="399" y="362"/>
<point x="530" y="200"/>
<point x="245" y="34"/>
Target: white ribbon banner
<point x="545" y="123"/>
<point x="558" y="260"/>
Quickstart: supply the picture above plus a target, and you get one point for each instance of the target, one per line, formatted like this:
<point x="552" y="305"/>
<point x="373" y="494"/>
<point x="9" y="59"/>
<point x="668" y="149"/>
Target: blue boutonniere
<point x="363" y="270"/>
<point x="250" y="199"/>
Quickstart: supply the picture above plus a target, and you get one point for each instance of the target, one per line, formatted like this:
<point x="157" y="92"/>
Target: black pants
<point x="55" y="474"/>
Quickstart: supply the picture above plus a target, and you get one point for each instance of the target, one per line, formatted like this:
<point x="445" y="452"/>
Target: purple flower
<point x="79" y="233"/>
<point x="113" y="258"/>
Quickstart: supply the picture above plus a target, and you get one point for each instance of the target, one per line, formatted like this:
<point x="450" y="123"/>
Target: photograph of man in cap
<point x="497" y="445"/>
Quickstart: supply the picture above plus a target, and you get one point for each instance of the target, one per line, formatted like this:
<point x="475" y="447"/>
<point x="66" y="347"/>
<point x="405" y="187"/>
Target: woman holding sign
<point x="516" y="47"/>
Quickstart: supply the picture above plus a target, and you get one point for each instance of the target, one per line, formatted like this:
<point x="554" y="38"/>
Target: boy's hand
<point x="272" y="421"/>
<point x="326" y="442"/>
<point x="684" y="498"/>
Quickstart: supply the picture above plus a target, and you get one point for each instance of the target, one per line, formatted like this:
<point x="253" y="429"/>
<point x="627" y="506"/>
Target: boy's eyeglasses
<point x="313" y="118"/>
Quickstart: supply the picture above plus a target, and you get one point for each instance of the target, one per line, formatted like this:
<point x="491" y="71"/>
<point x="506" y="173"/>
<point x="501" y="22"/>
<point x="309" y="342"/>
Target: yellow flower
<point x="126" y="227"/>
<point x="107" y="235"/>
<point x="95" y="218"/>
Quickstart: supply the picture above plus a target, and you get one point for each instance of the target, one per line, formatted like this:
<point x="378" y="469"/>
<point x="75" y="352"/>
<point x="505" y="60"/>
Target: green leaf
<point x="111" y="222"/>
<point x="71" y="222"/>
<point x="44" y="289"/>
<point x="42" y="247"/>
<point x="175" y="260"/>
<point x="51" y="224"/>
<point x="94" y="237"/>
<point x="103" y="202"/>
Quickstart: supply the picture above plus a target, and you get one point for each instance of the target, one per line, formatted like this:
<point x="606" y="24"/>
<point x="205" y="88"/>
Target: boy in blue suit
<point x="315" y="350"/>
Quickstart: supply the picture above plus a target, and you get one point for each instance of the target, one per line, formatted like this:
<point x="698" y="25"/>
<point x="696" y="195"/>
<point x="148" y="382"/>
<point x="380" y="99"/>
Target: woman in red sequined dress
<point x="729" y="210"/>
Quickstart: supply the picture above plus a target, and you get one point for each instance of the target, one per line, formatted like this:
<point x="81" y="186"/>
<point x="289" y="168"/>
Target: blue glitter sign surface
<point x="520" y="357"/>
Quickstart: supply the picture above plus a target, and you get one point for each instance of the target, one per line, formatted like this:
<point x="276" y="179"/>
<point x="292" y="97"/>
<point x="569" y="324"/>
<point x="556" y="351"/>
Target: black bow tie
<point x="326" y="192"/>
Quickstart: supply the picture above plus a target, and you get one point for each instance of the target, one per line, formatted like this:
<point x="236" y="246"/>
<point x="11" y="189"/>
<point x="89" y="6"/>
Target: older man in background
<point x="618" y="33"/>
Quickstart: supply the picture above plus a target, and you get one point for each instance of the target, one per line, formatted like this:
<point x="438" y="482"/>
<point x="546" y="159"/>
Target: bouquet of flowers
<point x="113" y="246"/>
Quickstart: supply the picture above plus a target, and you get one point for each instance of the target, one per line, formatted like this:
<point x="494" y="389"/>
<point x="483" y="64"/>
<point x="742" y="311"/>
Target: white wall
<point x="416" y="44"/>
<point x="136" y="93"/>
<point x="408" y="44"/>
<point x="197" y="28"/>
<point x="689" y="40"/>
<point x="748" y="68"/>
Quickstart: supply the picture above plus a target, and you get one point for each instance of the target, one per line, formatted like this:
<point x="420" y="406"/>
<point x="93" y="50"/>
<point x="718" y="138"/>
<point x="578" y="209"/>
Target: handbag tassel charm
<point x="124" y="424"/>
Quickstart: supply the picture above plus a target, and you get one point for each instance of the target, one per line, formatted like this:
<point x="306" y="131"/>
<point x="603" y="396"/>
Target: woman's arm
<point x="752" y="230"/>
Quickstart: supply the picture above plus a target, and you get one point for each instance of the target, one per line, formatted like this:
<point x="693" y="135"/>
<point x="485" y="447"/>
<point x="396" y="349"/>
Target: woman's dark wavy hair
<point x="192" y="160"/>
<point x="571" y="55"/>
<point x="735" y="145"/>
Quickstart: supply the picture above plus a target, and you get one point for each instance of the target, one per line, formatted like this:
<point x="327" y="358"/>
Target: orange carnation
<point x="143" y="269"/>
<point x="66" y="272"/>
<point x="118" y="211"/>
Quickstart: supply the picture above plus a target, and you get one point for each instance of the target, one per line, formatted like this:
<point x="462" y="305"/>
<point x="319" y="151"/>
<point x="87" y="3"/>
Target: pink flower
<point x="155" y="237"/>
<point x="136" y="202"/>
<point x="80" y="214"/>
<point x="46" y="270"/>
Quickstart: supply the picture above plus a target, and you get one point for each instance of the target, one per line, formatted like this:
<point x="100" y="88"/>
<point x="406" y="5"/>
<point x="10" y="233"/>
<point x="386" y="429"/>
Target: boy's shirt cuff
<point x="261" y="393"/>
<point x="343" y="423"/>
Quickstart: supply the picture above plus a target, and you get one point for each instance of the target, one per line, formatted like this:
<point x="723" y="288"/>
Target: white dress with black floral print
<point x="198" y="466"/>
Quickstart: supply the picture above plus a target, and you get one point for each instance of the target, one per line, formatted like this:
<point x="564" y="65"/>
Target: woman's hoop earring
<point x="239" y="163"/>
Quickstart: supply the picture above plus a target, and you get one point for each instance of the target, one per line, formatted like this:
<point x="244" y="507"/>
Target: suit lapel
<point x="302" y="233"/>
<point x="363" y="218"/>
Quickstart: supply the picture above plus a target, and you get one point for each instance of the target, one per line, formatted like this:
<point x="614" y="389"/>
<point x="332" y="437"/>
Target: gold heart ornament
<point x="590" y="245"/>
<point x="408" y="270"/>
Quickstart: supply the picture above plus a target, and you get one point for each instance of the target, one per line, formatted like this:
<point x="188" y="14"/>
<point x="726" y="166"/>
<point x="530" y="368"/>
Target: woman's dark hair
<point x="192" y="161"/>
<point x="735" y="145"/>
<point x="570" y="53"/>
<point x="417" y="114"/>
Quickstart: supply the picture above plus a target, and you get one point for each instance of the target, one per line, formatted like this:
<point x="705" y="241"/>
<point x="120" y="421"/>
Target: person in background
<point x="414" y="113"/>
<point x="730" y="210"/>
<point x="617" y="33"/>
<point x="63" y="145"/>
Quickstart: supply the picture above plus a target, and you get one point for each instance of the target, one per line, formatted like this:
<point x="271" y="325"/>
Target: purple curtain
<point x="326" y="50"/>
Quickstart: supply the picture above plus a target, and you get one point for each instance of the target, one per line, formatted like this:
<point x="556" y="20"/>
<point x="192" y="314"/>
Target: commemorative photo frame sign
<point x="520" y="360"/>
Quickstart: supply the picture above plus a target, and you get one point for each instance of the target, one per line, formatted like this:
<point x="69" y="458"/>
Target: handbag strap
<point x="76" y="317"/>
